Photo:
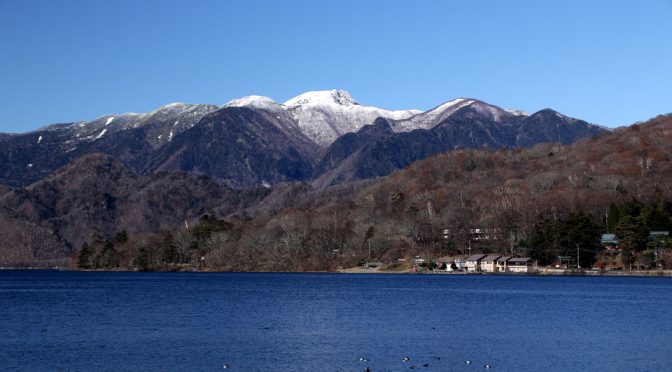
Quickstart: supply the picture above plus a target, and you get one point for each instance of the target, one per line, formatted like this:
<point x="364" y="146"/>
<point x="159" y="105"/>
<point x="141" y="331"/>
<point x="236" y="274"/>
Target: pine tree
<point x="84" y="261"/>
<point x="170" y="254"/>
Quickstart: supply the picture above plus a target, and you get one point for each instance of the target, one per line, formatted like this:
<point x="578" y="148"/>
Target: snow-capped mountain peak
<point x="325" y="115"/>
<point x="261" y="102"/>
<point x="322" y="97"/>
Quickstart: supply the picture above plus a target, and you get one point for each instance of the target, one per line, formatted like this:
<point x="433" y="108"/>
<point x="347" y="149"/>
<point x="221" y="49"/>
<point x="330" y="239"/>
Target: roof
<point x="476" y="257"/>
<point x="492" y="257"/>
<point x="609" y="238"/>
<point x="503" y="258"/>
<point x="520" y="259"/>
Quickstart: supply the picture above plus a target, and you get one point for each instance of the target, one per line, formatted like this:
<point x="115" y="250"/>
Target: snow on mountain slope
<point x="172" y="118"/>
<point x="261" y="102"/>
<point x="429" y="119"/>
<point x="432" y="118"/>
<point x="518" y="112"/>
<point x="323" y="116"/>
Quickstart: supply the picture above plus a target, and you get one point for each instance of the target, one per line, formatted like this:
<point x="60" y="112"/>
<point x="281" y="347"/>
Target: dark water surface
<point x="325" y="322"/>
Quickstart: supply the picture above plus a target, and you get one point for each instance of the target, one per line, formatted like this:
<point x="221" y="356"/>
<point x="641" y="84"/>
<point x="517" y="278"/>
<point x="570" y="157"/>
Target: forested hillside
<point x="432" y="207"/>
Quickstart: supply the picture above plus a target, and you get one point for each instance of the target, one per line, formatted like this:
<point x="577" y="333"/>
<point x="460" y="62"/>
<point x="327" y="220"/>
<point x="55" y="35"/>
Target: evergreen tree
<point x="613" y="217"/>
<point x="170" y="254"/>
<point x="543" y="242"/>
<point x="142" y="262"/>
<point x="84" y="261"/>
<point x="110" y="257"/>
<point x="655" y="217"/>
<point x="580" y="231"/>
<point x="121" y="237"/>
<point x="632" y="233"/>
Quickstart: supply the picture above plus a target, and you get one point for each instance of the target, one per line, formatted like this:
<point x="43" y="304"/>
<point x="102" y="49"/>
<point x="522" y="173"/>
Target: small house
<point x="502" y="264"/>
<point x="657" y="234"/>
<point x="610" y="242"/>
<point x="519" y="265"/>
<point x="489" y="263"/>
<point x="473" y="262"/>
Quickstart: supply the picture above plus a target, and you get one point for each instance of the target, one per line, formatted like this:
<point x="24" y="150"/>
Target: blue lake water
<point x="325" y="322"/>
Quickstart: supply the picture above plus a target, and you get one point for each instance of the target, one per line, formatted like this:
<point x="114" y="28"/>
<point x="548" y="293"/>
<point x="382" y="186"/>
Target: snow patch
<point x="109" y="120"/>
<point x="170" y="135"/>
<point x="255" y="102"/>
<point x="174" y="105"/>
<point x="517" y="112"/>
<point x="323" y="97"/>
<point x="102" y="133"/>
<point x="265" y="184"/>
<point x="159" y="137"/>
<point x="30" y="165"/>
<point x="39" y="139"/>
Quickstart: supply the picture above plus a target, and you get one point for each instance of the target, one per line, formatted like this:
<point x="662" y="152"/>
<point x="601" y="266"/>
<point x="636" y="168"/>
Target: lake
<point x="326" y="322"/>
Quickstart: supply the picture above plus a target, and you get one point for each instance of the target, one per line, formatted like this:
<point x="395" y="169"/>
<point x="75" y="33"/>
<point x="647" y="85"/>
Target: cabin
<point x="657" y="234"/>
<point x="473" y="262"/>
<point x="502" y="264"/>
<point x="610" y="242"/>
<point x="519" y="265"/>
<point x="489" y="263"/>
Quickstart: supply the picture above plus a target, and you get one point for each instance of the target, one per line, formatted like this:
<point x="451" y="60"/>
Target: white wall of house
<point x="489" y="266"/>
<point x="518" y="269"/>
<point x="473" y="266"/>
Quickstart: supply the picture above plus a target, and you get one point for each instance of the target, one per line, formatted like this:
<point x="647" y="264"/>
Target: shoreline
<point x="377" y="271"/>
<point x="541" y="272"/>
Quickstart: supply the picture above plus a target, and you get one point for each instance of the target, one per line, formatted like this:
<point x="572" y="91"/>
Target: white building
<point x="473" y="263"/>
<point x="489" y="263"/>
<point x="502" y="264"/>
<point x="519" y="265"/>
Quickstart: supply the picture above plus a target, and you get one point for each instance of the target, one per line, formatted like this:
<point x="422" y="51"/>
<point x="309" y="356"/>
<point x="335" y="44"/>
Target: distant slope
<point x="236" y="146"/>
<point x="321" y="135"/>
<point x="377" y="152"/>
<point x="28" y="157"/>
<point x="51" y="218"/>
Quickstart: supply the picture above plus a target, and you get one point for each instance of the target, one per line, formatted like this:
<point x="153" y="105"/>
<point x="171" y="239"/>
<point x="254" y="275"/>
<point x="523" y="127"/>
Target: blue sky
<point x="606" y="62"/>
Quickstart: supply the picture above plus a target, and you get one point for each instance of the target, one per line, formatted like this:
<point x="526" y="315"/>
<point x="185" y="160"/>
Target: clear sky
<point x="607" y="62"/>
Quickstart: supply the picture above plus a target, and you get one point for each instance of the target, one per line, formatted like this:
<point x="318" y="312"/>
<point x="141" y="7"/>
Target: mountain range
<point x="324" y="137"/>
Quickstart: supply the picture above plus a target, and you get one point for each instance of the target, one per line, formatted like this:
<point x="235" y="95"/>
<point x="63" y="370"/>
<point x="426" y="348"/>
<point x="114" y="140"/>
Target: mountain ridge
<point x="310" y="124"/>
